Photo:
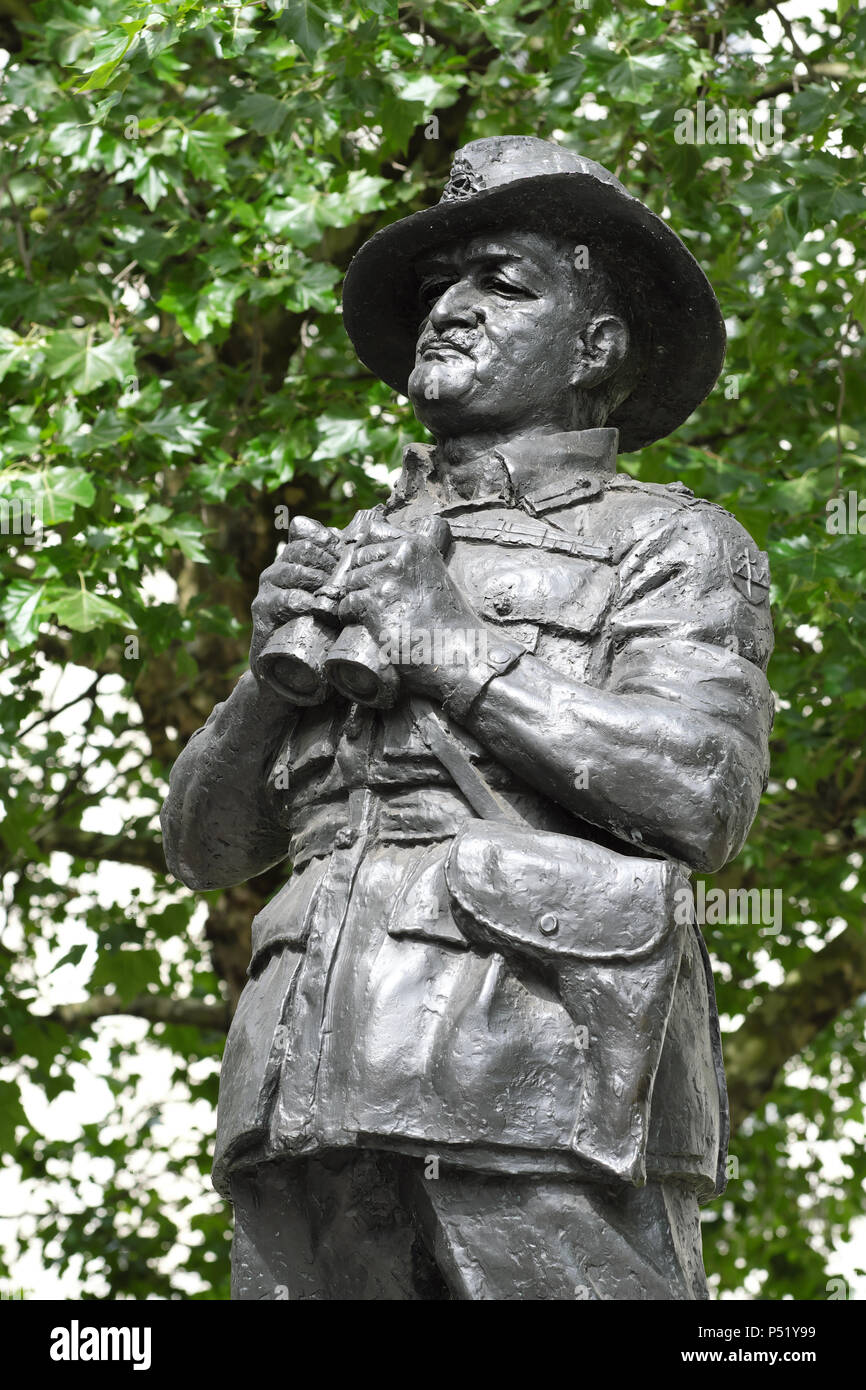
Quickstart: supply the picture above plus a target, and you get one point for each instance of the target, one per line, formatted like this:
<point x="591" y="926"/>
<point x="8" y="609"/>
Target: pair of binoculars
<point x="310" y="655"/>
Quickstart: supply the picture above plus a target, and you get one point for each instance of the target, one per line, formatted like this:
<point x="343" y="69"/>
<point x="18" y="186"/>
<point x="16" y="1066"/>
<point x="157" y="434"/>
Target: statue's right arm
<point x="219" y="820"/>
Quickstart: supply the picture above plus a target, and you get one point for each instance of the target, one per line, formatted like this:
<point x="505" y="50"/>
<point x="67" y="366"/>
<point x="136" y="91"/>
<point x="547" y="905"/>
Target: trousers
<point x="369" y="1225"/>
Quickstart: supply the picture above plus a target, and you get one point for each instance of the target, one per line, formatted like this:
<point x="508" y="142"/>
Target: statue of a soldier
<point x="492" y="726"/>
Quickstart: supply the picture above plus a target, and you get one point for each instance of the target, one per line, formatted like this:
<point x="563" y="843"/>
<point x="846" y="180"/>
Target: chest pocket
<point x="555" y="593"/>
<point x="308" y="747"/>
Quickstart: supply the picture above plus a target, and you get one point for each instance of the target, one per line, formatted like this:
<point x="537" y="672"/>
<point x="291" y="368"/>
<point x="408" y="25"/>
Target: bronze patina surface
<point x="492" y="726"/>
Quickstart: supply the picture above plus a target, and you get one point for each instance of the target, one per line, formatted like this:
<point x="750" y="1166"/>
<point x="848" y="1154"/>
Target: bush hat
<point x="520" y="182"/>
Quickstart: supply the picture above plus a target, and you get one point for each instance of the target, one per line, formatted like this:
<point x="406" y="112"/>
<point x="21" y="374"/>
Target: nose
<point x="457" y="307"/>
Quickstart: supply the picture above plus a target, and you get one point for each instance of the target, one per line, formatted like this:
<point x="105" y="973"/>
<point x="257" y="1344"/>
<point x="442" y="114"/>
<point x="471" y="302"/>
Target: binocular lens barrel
<point x="356" y="668"/>
<point x="305" y="657"/>
<point x="292" y="660"/>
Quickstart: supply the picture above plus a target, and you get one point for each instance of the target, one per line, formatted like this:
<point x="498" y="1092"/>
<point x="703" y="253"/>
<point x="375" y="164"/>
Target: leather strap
<point x="485" y="802"/>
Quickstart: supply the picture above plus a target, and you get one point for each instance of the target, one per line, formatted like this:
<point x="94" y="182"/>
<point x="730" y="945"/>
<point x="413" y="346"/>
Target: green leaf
<point x="426" y="90"/>
<point x="152" y="184"/>
<point x="180" y="430"/>
<point x="266" y="114"/>
<point x="197" y="311"/>
<point x="100" y="78"/>
<point x="295" y="219"/>
<point x="637" y="77"/>
<point x="160" y="206"/>
<point x="18" y="607"/>
<point x="339" y="436"/>
<point x="857" y="306"/>
<point x="314" y="289"/>
<point x="111" y="51"/>
<point x="71" y="957"/>
<point x="304" y="23"/>
<point x="16" y="353"/>
<point x="51" y="494"/>
<point x="131" y="970"/>
<point x="205" y="148"/>
<point x="12" y="1115"/>
<point x="185" y="532"/>
<point x="87" y="360"/>
<point x="83" y="611"/>
<point x="62" y="490"/>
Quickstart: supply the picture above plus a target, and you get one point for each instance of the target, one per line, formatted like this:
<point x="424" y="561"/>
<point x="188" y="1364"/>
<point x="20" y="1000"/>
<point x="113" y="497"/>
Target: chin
<point x="448" y="402"/>
<point x="450" y="378"/>
<point x="441" y="418"/>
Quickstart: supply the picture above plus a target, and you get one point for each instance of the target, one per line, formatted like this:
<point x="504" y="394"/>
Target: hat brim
<point x="674" y="303"/>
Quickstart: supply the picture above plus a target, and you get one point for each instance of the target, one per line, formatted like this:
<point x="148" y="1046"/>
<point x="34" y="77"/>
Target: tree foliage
<point x="182" y="187"/>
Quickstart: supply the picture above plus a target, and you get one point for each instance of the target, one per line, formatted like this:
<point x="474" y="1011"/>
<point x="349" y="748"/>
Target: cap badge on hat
<point x="463" y="182"/>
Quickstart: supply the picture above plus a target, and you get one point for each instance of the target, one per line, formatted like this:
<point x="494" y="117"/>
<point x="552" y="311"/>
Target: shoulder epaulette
<point x="676" y="492"/>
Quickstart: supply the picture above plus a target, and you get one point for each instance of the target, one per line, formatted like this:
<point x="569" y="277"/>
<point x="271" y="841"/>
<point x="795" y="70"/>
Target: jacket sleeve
<point x="219" y="821"/>
<point x="692" y="632"/>
<point x="668" y="749"/>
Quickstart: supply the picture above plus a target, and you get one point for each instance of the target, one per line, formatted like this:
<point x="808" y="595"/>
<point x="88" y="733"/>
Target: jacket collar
<point x="544" y="471"/>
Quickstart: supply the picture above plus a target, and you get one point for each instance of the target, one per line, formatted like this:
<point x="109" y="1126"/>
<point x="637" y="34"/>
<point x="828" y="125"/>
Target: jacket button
<point x="548" y="925"/>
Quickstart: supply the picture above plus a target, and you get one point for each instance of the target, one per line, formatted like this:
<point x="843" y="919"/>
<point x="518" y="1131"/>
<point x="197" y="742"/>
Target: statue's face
<point x="496" y="347"/>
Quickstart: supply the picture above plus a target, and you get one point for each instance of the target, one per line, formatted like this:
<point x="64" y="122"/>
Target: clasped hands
<point x="398" y="587"/>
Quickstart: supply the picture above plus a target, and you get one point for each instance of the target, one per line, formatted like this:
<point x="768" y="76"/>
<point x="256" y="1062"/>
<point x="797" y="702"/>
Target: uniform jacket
<point x="521" y="999"/>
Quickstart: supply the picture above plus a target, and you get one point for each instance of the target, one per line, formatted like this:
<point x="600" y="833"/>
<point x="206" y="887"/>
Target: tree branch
<point x="790" y="1018"/>
<point x="50" y="714"/>
<point x="20" y="234"/>
<point x="156" y="1008"/>
<point x="816" y="72"/>
<point x="88" y="844"/>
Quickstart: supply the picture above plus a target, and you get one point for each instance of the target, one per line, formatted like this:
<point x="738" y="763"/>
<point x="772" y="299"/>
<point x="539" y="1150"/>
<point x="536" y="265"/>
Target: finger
<point x="277" y="605"/>
<point x="291" y="602"/>
<point x="306" y="529"/>
<point x="294" y="577"/>
<point x="307" y="553"/>
<point x="376" y="529"/>
<point x="369" y="554"/>
<point x="353" y="608"/>
<point x="378" y="579"/>
<point x="366" y="575"/>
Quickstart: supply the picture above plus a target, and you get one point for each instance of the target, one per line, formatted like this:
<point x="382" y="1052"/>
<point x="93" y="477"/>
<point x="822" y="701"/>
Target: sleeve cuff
<point x="500" y="655"/>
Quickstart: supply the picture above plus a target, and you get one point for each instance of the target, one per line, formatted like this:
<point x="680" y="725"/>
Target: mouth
<point x="442" y="349"/>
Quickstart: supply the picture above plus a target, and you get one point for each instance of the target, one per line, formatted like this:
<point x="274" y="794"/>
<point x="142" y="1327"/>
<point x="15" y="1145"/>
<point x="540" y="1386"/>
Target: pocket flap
<point x="285" y="920"/>
<point x="422" y="909"/>
<point x="571" y="596"/>
<point x="556" y="896"/>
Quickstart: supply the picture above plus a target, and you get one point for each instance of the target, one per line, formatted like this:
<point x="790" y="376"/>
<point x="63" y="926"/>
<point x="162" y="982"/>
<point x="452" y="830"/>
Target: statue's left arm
<point x="671" y="751"/>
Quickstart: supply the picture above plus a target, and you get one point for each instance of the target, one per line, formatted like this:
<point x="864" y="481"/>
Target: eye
<point x="507" y="288"/>
<point x="431" y="290"/>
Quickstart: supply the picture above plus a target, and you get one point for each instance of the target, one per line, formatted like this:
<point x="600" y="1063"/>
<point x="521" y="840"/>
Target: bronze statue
<point x="492" y="726"/>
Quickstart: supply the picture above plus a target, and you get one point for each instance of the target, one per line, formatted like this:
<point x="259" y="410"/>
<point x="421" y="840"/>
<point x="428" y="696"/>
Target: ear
<point x="599" y="351"/>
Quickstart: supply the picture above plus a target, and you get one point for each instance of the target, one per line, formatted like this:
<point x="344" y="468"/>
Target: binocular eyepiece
<point x="308" y="655"/>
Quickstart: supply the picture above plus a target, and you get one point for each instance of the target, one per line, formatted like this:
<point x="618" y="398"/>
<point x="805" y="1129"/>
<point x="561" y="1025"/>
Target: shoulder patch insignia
<point x="750" y="570"/>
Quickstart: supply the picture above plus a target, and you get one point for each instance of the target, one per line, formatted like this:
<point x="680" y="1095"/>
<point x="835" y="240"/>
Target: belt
<point x="416" y="814"/>
<point x="412" y="813"/>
